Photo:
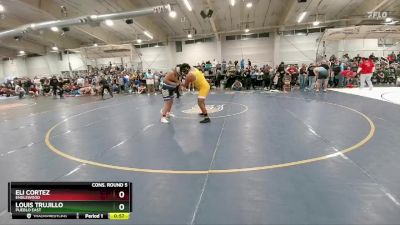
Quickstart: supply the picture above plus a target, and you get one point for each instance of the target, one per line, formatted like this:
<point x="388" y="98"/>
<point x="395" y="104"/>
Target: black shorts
<point x="168" y="91"/>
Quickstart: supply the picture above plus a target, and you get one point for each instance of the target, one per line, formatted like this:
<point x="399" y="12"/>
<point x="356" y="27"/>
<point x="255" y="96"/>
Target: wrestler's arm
<point x="189" y="79"/>
<point x="170" y="79"/>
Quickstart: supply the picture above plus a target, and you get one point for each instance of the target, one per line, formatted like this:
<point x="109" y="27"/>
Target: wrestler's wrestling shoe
<point x="205" y="120"/>
<point x="164" y="120"/>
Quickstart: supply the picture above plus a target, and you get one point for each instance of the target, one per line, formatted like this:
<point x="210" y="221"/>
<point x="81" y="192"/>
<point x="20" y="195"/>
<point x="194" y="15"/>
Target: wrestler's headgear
<point x="183" y="69"/>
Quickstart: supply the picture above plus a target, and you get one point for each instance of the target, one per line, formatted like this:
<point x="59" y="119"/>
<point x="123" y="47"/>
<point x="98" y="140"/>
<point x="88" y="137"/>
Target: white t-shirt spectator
<point x="149" y="78"/>
<point x="80" y="82"/>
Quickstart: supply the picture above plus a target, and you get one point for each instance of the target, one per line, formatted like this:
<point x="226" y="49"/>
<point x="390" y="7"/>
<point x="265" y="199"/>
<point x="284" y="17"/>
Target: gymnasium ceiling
<point x="264" y="15"/>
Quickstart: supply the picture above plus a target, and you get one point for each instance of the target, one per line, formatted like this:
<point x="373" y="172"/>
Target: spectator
<point x="54" y="85"/>
<point x="237" y="86"/>
<point x="303" y="77"/>
<point x="391" y="58"/>
<point x="223" y="66"/>
<point x="366" y="69"/>
<point x="33" y="91"/>
<point x="150" y="82"/>
<point x="19" y="91"/>
<point x="253" y="77"/>
<point x="311" y="77"/>
<point x="266" y="77"/>
<point x="322" y="73"/>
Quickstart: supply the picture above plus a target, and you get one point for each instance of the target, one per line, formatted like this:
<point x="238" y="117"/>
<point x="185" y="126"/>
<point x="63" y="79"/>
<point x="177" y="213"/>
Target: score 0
<point x="121" y="195"/>
<point x="377" y="15"/>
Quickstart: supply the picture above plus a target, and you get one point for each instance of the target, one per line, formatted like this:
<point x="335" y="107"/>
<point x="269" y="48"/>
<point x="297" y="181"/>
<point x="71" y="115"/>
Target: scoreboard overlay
<point x="70" y="200"/>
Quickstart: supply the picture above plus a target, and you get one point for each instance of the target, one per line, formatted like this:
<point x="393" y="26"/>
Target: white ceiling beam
<point x="212" y="21"/>
<point x="145" y="22"/>
<point x="288" y="12"/>
<point x="52" y="10"/>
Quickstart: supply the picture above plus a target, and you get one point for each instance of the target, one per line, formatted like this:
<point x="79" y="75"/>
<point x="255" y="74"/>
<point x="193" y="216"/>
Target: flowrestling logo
<point x="210" y="109"/>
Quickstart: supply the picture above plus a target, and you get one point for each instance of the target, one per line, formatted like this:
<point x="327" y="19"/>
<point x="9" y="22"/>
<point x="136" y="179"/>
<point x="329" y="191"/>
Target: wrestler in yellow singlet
<point x="195" y="76"/>
<point x="200" y="83"/>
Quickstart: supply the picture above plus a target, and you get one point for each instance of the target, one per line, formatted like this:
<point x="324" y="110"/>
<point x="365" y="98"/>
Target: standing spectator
<point x="391" y="58"/>
<point x="242" y="64"/>
<point x="281" y="73"/>
<point x="366" y="69"/>
<point x="247" y="79"/>
<point x="54" y="85"/>
<point x="126" y="82"/>
<point x="357" y="58"/>
<point x="149" y="76"/>
<point x="105" y="85"/>
<point x="266" y="77"/>
<point x="345" y="58"/>
<point x="336" y="69"/>
<point x="303" y="77"/>
<point x="292" y="70"/>
<point x="61" y="87"/>
<point x="311" y="77"/>
<point x="322" y="73"/>
<point x="253" y="76"/>
<point x="223" y="66"/>
<point x="372" y="57"/>
<point x="27" y="85"/>
<point x="248" y="63"/>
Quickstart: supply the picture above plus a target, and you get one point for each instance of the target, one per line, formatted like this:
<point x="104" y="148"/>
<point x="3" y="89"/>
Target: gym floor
<point x="265" y="158"/>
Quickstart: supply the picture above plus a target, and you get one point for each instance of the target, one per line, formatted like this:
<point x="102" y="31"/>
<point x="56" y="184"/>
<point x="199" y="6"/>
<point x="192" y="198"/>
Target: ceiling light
<point x="148" y="34"/>
<point x="139" y="41"/>
<point x="249" y="5"/>
<point x="232" y="2"/>
<point x="2" y="9"/>
<point x="109" y="23"/>
<point x="93" y="17"/>
<point x="55" y="29"/>
<point x="187" y="5"/>
<point x="54" y="48"/>
<point x="316" y="23"/>
<point x="33" y="25"/>
<point x="247" y="30"/>
<point x="388" y="20"/>
<point x="22" y="52"/>
<point x="172" y="14"/>
<point x="301" y="17"/>
<point x="190" y="36"/>
<point x="95" y="45"/>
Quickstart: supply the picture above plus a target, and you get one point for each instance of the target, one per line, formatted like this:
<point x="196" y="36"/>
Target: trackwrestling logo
<point x="210" y="109"/>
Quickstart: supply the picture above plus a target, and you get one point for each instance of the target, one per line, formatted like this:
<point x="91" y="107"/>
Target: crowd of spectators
<point x="235" y="75"/>
<point x="120" y="80"/>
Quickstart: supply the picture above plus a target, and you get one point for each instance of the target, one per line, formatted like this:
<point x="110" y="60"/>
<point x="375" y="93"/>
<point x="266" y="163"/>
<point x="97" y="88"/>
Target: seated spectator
<point x="33" y="91"/>
<point x="80" y="82"/>
<point x="46" y="88"/>
<point x="142" y="88"/>
<point x="19" y="91"/>
<point x="5" y="91"/>
<point x="237" y="86"/>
